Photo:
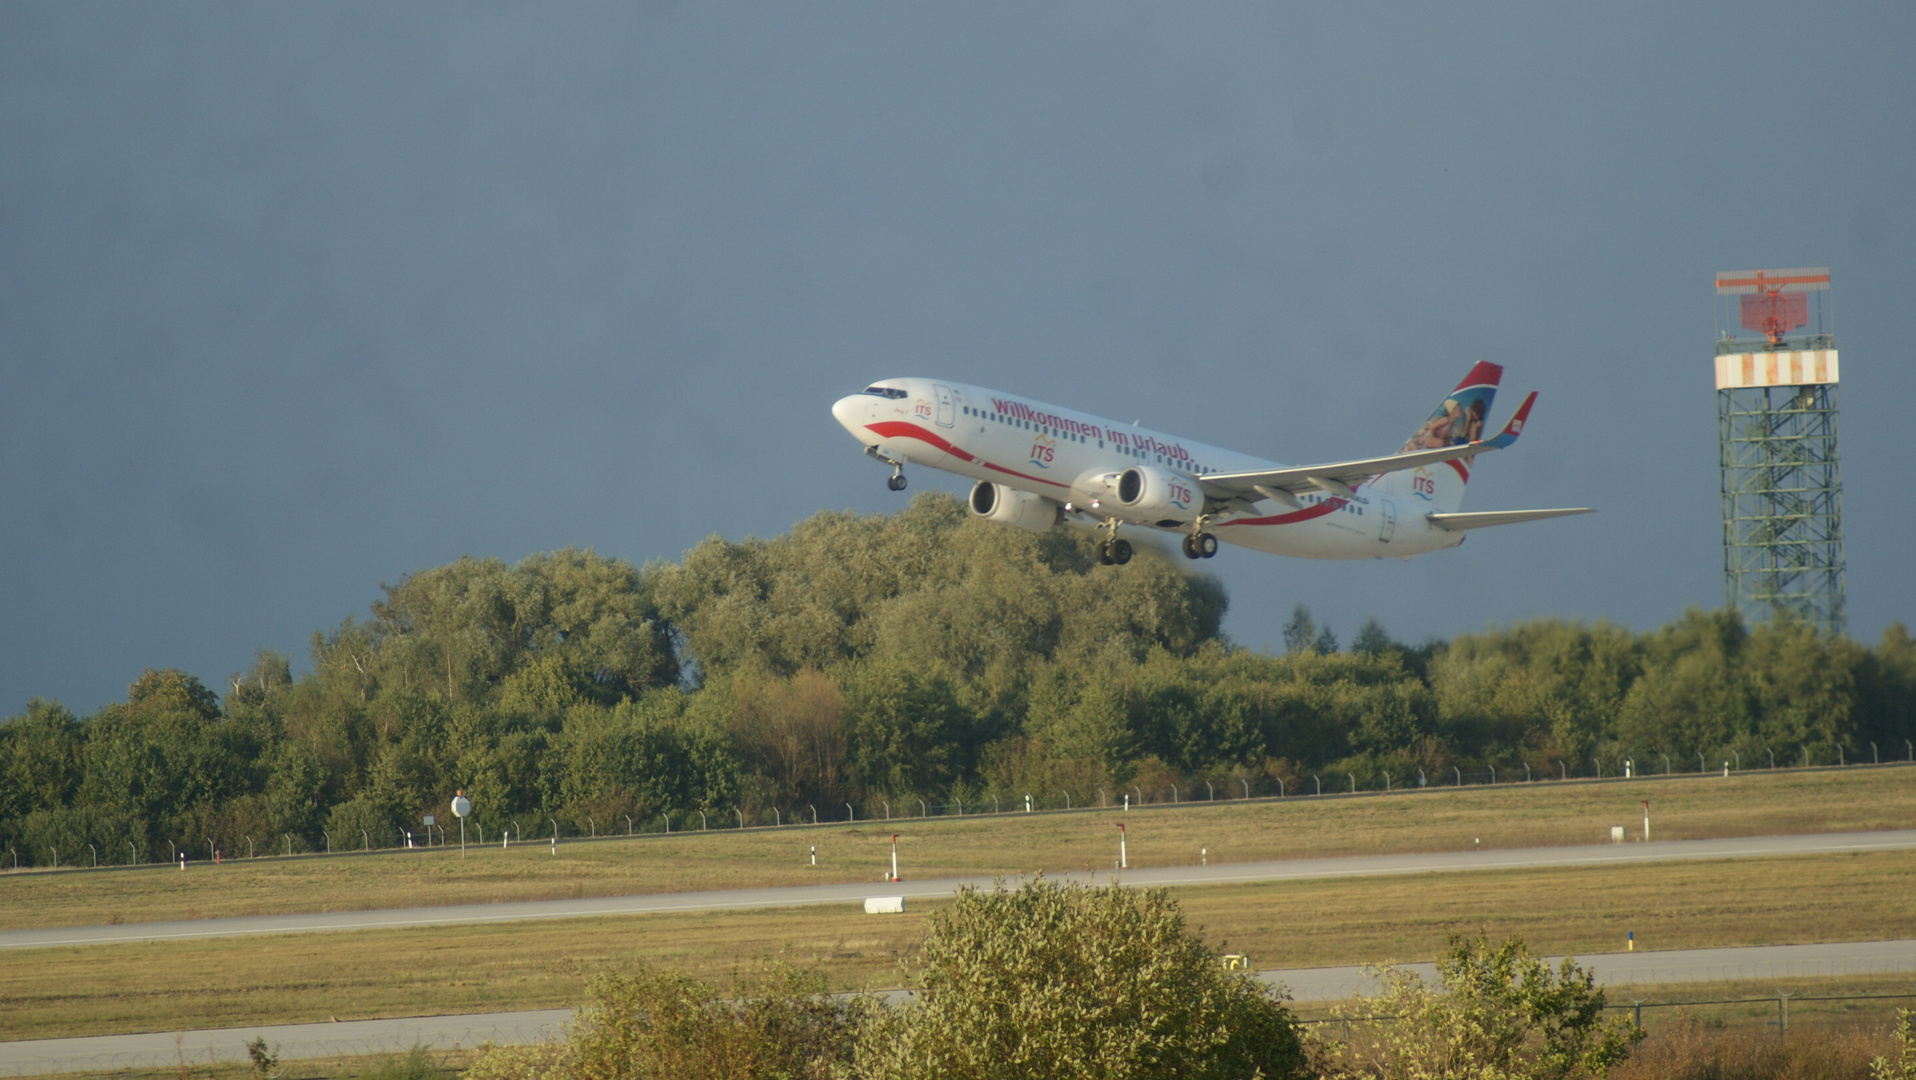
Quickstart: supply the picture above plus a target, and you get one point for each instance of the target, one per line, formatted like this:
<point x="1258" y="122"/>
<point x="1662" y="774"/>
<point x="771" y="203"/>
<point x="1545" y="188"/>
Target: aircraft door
<point x="1386" y="520"/>
<point x="947" y="408"/>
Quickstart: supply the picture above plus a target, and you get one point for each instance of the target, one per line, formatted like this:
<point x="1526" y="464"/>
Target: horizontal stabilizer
<point x="1339" y="477"/>
<point x="1460" y="522"/>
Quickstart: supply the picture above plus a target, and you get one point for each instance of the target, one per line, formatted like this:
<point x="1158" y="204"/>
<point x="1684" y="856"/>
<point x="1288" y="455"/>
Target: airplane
<point x="1036" y="466"/>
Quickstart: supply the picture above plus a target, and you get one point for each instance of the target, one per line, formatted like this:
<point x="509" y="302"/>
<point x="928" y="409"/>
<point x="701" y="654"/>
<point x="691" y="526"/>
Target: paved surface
<point x="854" y="893"/>
<point x="296" y="1041"/>
<point x="104" y="1053"/>
<point x="1652" y="968"/>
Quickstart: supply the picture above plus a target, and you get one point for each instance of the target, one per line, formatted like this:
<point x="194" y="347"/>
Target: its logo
<point x="921" y="407"/>
<point x="1422" y="486"/>
<point x="1044" y="450"/>
<point x="1178" y="495"/>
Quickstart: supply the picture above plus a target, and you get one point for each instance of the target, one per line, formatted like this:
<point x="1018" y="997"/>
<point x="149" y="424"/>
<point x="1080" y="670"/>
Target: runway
<point x="854" y="893"/>
<point x="104" y="1053"/>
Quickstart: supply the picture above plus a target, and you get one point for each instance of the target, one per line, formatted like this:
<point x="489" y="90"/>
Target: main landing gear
<point x="1201" y="545"/>
<point x="1111" y="550"/>
<point x="897" y="480"/>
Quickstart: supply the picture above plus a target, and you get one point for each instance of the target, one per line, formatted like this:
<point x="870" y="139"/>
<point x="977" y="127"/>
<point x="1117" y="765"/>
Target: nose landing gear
<point x="897" y="481"/>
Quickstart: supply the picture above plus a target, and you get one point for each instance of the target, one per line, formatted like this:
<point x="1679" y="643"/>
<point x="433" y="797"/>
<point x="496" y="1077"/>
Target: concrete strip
<point x="1653" y="968"/>
<point x="856" y="893"/>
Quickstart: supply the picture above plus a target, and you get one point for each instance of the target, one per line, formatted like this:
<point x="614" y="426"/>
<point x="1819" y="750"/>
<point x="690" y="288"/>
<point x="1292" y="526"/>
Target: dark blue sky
<point x="297" y="299"/>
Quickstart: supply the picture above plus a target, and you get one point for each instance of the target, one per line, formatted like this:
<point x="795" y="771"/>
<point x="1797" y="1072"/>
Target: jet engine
<point x="1009" y="506"/>
<point x="1164" y="499"/>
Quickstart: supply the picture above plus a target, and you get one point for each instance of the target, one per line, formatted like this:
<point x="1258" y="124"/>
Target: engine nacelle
<point x="1161" y="498"/>
<point x="1009" y="506"/>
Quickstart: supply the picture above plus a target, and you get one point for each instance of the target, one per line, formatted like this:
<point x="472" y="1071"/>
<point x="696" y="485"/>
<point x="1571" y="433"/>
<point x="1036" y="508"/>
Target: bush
<point x="781" y="1025"/>
<point x="1069" y="981"/>
<point x="1501" y="1014"/>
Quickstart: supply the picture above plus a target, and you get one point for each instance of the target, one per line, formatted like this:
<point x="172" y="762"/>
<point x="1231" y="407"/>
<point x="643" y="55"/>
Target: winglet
<point x="1515" y="427"/>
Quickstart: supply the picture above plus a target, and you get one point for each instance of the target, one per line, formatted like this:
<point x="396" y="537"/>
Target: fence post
<point x="1247" y="787"/>
<point x="1460" y="775"/>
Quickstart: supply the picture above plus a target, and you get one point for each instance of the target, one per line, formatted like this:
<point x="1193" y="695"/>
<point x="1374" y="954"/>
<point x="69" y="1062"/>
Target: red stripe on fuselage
<point x="900" y="429"/>
<point x="1291" y="518"/>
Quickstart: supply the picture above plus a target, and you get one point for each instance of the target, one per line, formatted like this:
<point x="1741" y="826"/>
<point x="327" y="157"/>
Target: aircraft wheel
<point x="1206" y="545"/>
<point x="896" y="483"/>
<point x="1120" y="551"/>
<point x="1104" y="552"/>
<point x="1190" y="549"/>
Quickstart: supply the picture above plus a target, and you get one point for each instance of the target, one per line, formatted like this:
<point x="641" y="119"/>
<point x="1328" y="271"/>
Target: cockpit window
<point x="885" y="391"/>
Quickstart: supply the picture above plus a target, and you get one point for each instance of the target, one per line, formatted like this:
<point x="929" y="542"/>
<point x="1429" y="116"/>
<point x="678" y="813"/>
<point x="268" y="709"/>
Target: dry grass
<point x="1696" y="1049"/>
<point x="361" y="974"/>
<point x="1505" y="816"/>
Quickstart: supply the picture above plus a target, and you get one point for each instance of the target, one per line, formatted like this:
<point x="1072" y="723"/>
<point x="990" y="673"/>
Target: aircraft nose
<point x="849" y="411"/>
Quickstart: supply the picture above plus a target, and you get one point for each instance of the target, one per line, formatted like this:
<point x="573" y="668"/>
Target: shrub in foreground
<point x="1501" y="1014"/>
<point x="1057" y="981"/>
<point x="779" y="1025"/>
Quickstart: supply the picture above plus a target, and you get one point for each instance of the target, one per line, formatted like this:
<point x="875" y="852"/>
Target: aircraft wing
<point x="1340" y="477"/>
<point x="1460" y="522"/>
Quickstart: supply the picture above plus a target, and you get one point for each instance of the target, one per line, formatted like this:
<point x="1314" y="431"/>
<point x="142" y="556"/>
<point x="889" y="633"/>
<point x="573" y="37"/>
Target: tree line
<point x="872" y="664"/>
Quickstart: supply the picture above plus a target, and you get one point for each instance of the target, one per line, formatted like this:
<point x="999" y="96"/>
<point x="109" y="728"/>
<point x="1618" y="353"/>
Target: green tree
<point x="1300" y="633"/>
<point x="1064" y="981"/>
<point x="908" y="731"/>
<point x="40" y="766"/>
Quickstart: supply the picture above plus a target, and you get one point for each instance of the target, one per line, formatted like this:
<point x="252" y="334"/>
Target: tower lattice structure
<point x="1776" y="375"/>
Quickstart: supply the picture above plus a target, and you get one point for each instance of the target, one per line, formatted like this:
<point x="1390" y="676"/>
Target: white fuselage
<point x="1072" y="457"/>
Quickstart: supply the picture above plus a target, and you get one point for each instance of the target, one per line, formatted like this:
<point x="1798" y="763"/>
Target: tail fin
<point x="1458" y="419"/>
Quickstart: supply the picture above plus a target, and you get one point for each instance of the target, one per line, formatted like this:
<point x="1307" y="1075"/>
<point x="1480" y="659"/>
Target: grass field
<point x="47" y="993"/>
<point x="1504" y="816"/>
